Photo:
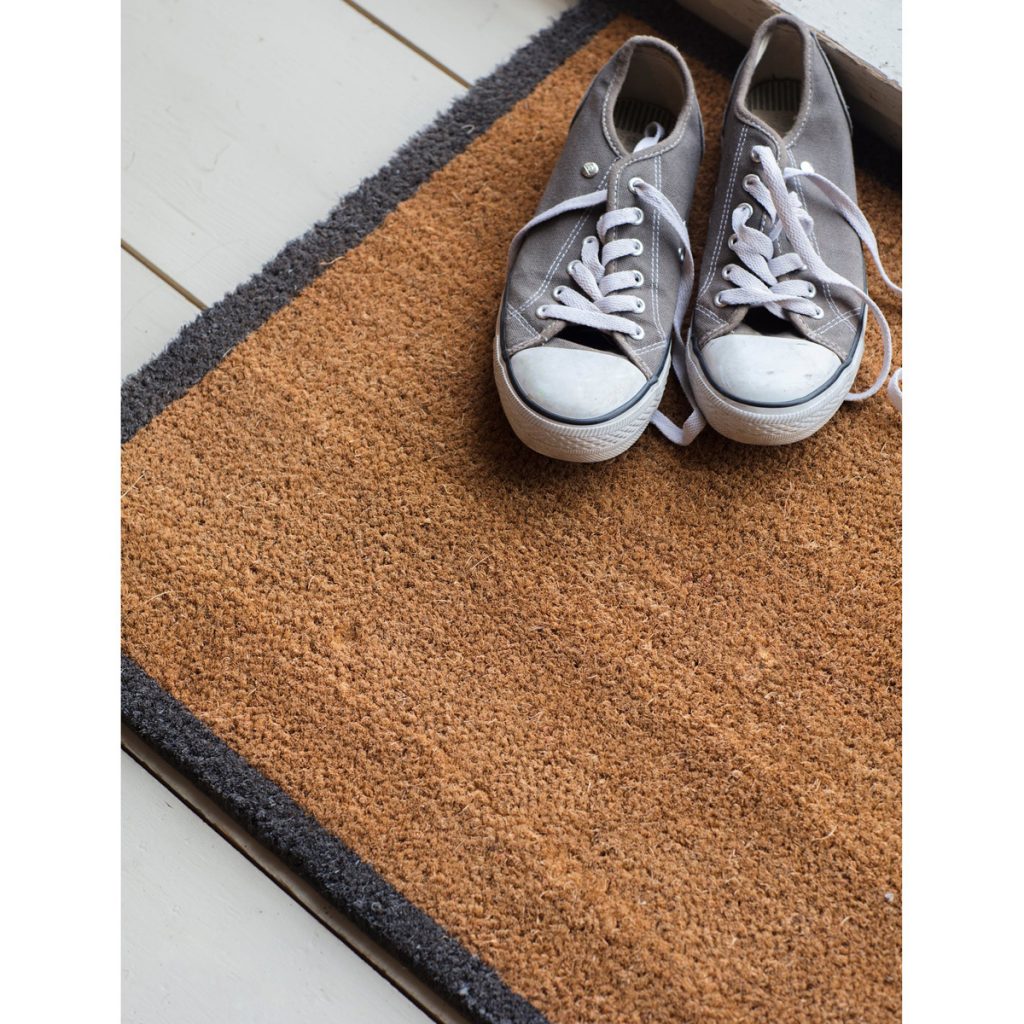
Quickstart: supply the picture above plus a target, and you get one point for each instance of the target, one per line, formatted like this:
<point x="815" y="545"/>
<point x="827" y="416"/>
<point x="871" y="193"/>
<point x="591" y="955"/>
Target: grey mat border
<point x="260" y="806"/>
<point x="340" y="875"/>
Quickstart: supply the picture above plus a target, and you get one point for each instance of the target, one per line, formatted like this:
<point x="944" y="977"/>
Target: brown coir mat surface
<point x="614" y="743"/>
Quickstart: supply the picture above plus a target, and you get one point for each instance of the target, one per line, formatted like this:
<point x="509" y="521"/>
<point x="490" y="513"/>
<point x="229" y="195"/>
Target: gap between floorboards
<point x="165" y="277"/>
<point x="405" y="41"/>
<point x="384" y="27"/>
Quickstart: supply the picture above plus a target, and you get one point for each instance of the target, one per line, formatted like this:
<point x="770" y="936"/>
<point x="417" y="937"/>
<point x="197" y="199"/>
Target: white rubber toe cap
<point x="764" y="369"/>
<point x="576" y="383"/>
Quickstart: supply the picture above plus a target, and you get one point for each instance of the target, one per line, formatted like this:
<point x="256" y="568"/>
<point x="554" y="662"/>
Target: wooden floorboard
<point x="152" y="312"/>
<point x="471" y="39"/>
<point x="208" y="937"/>
<point x="245" y="120"/>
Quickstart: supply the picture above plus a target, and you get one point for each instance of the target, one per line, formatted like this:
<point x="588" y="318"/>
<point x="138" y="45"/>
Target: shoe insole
<point x="633" y="116"/>
<point x="776" y="101"/>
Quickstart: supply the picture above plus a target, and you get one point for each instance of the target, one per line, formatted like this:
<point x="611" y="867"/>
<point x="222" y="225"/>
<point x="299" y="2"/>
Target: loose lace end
<point x="684" y="435"/>
<point x="894" y="392"/>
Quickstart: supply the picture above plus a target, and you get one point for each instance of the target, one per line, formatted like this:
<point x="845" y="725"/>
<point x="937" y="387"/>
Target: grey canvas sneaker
<point x="599" y="279"/>
<point x="778" y="328"/>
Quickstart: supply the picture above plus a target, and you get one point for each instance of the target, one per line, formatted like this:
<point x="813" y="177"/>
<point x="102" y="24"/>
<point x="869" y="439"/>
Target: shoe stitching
<point x="531" y="330"/>
<point x="690" y="101"/>
<point x="725" y="214"/>
<point x="566" y="245"/>
<point x="813" y="235"/>
<point x="616" y="81"/>
<point x="819" y="333"/>
<point x="704" y="311"/>
<point x="842" y="316"/>
<point x="657" y="247"/>
<point x="809" y="78"/>
<point x="650" y="348"/>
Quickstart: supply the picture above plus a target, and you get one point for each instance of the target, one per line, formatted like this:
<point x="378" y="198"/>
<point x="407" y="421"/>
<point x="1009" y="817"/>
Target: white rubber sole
<point x="568" y="441"/>
<point x="753" y="424"/>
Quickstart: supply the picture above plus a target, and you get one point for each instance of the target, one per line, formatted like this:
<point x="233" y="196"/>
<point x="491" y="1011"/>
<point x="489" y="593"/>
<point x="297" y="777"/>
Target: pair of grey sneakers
<point x="599" y="280"/>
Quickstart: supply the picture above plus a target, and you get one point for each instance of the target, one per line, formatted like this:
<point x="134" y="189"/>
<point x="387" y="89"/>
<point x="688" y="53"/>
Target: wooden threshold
<point x="875" y="99"/>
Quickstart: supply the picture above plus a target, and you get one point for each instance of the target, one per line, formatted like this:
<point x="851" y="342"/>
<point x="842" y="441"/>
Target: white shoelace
<point x="756" y="282"/>
<point x="895" y="390"/>
<point x="598" y="300"/>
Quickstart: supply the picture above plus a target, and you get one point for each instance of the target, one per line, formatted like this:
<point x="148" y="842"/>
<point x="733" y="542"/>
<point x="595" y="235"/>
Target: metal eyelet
<point x="638" y="278"/>
<point x="589" y="169"/>
<point x="733" y="239"/>
<point x="754" y="156"/>
<point x="819" y="314"/>
<point x="807" y="167"/>
<point x="749" y="181"/>
<point x="542" y="312"/>
<point x="718" y="300"/>
<point x="590" y="238"/>
<point x="638" y="248"/>
<point x="640" y="305"/>
<point x="639" y="218"/>
<point x="747" y="207"/>
<point x="813" y="291"/>
<point x="634" y="183"/>
<point x="638" y="334"/>
<point x="557" y="293"/>
<point x="575" y="263"/>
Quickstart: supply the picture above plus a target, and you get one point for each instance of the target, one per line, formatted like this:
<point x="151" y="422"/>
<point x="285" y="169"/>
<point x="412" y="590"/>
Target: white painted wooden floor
<point x="207" y="935"/>
<point x="243" y="122"/>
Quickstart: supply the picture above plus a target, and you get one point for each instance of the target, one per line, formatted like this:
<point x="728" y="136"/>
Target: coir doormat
<point x="605" y="743"/>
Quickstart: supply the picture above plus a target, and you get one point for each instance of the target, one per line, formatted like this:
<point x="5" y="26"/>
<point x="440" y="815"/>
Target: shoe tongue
<point x="565" y="343"/>
<point x="760" y="321"/>
<point x="585" y="337"/>
<point x="784" y="332"/>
